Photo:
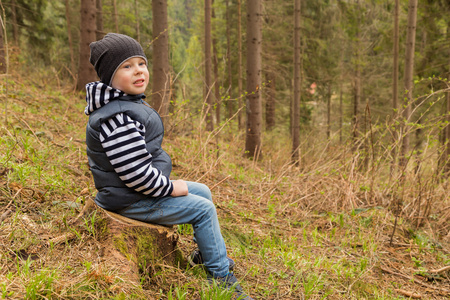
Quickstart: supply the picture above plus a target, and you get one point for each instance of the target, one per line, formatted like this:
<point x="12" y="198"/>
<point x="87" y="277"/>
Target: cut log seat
<point x="138" y="248"/>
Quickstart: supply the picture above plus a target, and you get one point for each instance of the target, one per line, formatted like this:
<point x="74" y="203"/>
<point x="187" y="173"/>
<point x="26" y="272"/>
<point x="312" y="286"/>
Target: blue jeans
<point x="197" y="209"/>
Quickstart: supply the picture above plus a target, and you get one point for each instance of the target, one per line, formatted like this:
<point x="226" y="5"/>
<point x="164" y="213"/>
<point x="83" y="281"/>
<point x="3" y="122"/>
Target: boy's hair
<point x="110" y="52"/>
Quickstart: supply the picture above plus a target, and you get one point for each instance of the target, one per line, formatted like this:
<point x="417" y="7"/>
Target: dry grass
<point x="321" y="230"/>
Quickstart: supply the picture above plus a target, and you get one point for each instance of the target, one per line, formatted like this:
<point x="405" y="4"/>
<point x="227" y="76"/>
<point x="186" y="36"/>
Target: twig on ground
<point x="409" y="294"/>
<point x="415" y="280"/>
<point x="5" y="215"/>
<point x="441" y="270"/>
<point x="220" y="182"/>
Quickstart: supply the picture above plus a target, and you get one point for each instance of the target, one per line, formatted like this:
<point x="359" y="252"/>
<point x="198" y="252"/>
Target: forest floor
<point x="321" y="230"/>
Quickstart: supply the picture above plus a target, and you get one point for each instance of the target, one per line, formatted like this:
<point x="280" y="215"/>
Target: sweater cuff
<point x="170" y="190"/>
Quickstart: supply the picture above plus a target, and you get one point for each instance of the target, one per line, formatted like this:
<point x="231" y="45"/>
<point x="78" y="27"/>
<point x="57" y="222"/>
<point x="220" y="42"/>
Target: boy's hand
<point x="180" y="188"/>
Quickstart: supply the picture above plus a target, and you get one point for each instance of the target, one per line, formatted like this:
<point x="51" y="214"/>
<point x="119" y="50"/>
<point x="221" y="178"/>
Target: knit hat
<point x="110" y="52"/>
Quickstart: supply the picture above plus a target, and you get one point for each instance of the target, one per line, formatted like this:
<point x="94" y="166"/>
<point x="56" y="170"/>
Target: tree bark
<point x="161" y="69"/>
<point x="253" y="107"/>
<point x="447" y="129"/>
<point x="86" y="72"/>
<point x="3" y="66"/>
<point x="270" y="101"/>
<point x="357" y="91"/>
<point x="136" y="13"/>
<point x="229" y="65"/>
<point x="408" y="78"/>
<point x="208" y="86"/>
<point x="395" y="85"/>
<point x="395" y="58"/>
<point x="240" y="85"/>
<point x="115" y="15"/>
<point x="297" y="82"/>
<point x="329" y="111"/>
<point x="218" y="100"/>
<point x="69" y="37"/>
<point x="341" y="112"/>
<point x="16" y="38"/>
<point x="140" y="247"/>
<point x="99" y="20"/>
<point x="133" y="246"/>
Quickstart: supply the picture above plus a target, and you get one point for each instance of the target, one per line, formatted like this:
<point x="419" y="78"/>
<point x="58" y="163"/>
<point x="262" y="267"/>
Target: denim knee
<point x="208" y="211"/>
<point x="199" y="189"/>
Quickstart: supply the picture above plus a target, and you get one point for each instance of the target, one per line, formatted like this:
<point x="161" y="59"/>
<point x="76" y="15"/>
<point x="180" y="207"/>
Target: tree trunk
<point x="341" y="113"/>
<point x="69" y="37"/>
<point x="161" y="68"/>
<point x="136" y="13"/>
<point x="188" y="9"/>
<point x="86" y="72"/>
<point x="357" y="95"/>
<point x="208" y="86"/>
<point x="409" y="71"/>
<point x="447" y="129"/>
<point x="99" y="20"/>
<point x="229" y="65"/>
<point x="115" y="15"/>
<point x="253" y="107"/>
<point x="16" y="38"/>
<point x="240" y="85"/>
<point x="270" y="101"/>
<point x="218" y="100"/>
<point x="395" y="58"/>
<point x="143" y="247"/>
<point x="329" y="111"/>
<point x="133" y="246"/>
<point x="395" y="85"/>
<point x="3" y="66"/>
<point x="297" y="82"/>
<point x="447" y="134"/>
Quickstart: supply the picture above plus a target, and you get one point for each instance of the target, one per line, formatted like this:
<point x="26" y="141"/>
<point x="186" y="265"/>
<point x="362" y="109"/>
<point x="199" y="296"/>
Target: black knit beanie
<point x="110" y="52"/>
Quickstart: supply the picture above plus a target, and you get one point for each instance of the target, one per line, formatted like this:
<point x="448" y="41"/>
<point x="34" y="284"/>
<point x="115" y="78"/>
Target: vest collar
<point x="99" y="94"/>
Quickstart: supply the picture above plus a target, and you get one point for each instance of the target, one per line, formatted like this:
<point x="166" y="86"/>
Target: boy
<point x="130" y="169"/>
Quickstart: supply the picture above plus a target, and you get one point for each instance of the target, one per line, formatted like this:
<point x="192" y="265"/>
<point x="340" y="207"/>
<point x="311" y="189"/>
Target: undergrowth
<point x="321" y="230"/>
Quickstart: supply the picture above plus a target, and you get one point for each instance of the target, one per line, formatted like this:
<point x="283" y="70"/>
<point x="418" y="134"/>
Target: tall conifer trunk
<point x="136" y="14"/>
<point x="395" y="84"/>
<point x="229" y="65"/>
<point x="115" y="15"/>
<point x="161" y="72"/>
<point x="99" y="20"/>
<point x="329" y="110"/>
<point x="341" y="112"/>
<point x="88" y="27"/>
<point x="395" y="58"/>
<point x="208" y="86"/>
<point x="447" y="129"/>
<point x="240" y="85"/>
<point x="253" y="107"/>
<point x="408" y="78"/>
<point x="270" y="101"/>
<point x="3" y="67"/>
<point x="297" y="80"/>
<point x="69" y="38"/>
<point x="357" y="87"/>
<point x="16" y="37"/>
<point x="216" y="84"/>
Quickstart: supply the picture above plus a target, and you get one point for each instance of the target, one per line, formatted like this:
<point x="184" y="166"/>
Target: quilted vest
<point x="113" y="194"/>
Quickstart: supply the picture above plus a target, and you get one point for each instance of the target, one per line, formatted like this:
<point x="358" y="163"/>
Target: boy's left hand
<point x="180" y="188"/>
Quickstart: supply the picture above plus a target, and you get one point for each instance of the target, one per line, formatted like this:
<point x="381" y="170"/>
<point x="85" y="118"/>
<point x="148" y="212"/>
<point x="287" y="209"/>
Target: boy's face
<point x="131" y="77"/>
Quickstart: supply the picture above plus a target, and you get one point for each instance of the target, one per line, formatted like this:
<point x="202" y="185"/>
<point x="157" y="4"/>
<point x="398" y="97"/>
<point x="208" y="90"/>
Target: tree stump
<point x="135" y="247"/>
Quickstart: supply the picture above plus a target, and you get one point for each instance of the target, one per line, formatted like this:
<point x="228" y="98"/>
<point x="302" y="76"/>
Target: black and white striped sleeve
<point x="122" y="139"/>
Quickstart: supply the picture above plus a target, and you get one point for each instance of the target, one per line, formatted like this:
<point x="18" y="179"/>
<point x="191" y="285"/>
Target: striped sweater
<point x="122" y="139"/>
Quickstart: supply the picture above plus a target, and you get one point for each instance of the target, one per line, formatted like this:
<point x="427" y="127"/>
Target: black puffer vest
<point x="113" y="194"/>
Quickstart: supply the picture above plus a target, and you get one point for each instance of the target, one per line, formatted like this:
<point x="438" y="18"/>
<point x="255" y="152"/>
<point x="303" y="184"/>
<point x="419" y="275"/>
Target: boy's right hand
<point x="180" y="188"/>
